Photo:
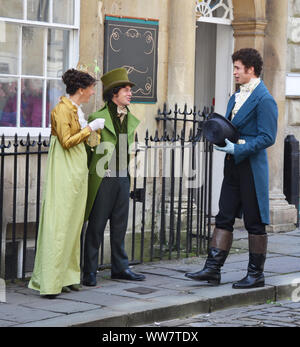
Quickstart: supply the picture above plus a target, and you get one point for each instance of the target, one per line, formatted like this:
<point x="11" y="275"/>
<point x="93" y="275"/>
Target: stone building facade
<point x="269" y="26"/>
<point x="293" y="67"/>
<point x="194" y="49"/>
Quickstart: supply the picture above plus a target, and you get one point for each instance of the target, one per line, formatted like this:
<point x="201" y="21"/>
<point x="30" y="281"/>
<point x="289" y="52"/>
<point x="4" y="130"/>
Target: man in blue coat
<point x="245" y="187"/>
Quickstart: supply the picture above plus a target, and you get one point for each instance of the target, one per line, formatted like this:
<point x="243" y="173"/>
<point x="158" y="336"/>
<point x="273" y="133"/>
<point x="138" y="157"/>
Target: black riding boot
<point x="217" y="254"/>
<point x="257" y="257"/>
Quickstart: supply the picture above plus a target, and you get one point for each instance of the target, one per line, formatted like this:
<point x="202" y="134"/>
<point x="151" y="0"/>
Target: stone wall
<point x="292" y="125"/>
<point x="176" y="49"/>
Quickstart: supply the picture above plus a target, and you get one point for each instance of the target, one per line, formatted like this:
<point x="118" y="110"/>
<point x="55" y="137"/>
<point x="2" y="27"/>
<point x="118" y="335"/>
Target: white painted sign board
<point x="292" y="84"/>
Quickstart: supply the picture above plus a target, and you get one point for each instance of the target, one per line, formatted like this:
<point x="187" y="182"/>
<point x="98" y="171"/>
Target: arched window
<point x="214" y="11"/>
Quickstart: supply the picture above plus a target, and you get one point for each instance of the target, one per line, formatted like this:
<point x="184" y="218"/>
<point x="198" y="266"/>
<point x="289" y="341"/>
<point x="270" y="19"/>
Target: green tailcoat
<point x="100" y="156"/>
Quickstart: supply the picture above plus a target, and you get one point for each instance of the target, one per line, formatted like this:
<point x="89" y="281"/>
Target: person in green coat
<point x="109" y="182"/>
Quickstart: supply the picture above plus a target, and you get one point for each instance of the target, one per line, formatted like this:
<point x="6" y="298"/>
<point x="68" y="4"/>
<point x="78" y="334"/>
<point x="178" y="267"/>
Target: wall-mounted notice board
<point x="132" y="43"/>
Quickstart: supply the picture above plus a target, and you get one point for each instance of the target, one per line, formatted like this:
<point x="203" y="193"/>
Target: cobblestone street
<point x="274" y="314"/>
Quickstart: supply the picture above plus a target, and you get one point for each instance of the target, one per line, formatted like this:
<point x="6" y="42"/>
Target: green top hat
<point x="115" y="78"/>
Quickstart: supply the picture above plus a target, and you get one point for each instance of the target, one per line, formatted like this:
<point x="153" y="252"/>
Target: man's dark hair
<point x="249" y="57"/>
<point x="110" y="93"/>
<point x="74" y="79"/>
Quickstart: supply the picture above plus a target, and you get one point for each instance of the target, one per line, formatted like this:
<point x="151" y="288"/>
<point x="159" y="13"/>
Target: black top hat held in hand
<point x="218" y="128"/>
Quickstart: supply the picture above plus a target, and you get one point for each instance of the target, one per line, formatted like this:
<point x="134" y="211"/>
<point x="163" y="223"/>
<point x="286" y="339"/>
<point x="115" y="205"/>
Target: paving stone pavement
<point x="167" y="294"/>
<point x="285" y="313"/>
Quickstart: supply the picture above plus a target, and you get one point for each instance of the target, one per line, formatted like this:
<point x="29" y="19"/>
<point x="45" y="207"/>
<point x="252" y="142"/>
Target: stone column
<point x="249" y="33"/>
<point x="249" y="24"/>
<point x="283" y="216"/>
<point x="181" y="69"/>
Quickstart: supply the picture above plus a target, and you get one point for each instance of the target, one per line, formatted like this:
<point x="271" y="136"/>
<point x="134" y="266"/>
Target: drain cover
<point x="141" y="290"/>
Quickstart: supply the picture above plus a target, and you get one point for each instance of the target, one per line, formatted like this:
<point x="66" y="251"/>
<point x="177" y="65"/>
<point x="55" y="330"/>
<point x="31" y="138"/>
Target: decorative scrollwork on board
<point x="147" y="88"/>
<point x="133" y="34"/>
<point x="115" y="35"/>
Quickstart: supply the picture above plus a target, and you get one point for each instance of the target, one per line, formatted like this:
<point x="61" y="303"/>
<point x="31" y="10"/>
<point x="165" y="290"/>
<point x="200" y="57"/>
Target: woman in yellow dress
<point x="57" y="260"/>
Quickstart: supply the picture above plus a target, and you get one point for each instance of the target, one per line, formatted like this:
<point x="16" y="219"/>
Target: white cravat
<point x="121" y="112"/>
<point x="245" y="91"/>
<point x="82" y="121"/>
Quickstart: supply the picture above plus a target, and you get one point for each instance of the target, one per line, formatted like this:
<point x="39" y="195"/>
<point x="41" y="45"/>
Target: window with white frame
<point x="38" y="42"/>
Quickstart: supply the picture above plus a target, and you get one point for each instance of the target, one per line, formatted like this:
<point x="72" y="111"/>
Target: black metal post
<point x="27" y="144"/>
<point x="291" y="172"/>
<point x="144" y="197"/>
<point x="155" y="140"/>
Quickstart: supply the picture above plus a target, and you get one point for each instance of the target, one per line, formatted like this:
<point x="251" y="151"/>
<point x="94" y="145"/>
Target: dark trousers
<point x="238" y="192"/>
<point x="111" y="203"/>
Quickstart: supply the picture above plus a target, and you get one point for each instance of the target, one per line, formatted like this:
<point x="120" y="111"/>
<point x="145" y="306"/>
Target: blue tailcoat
<point x="256" y="122"/>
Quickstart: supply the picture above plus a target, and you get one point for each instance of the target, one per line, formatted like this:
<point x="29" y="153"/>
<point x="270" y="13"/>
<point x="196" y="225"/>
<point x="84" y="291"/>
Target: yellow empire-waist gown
<point x="57" y="261"/>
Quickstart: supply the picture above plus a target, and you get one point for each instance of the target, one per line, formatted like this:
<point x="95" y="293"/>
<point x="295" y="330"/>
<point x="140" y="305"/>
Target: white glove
<point x="97" y="123"/>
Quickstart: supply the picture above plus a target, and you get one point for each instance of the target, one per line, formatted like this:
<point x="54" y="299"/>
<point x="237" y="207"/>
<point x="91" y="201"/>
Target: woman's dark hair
<point x="74" y="79"/>
<point x="249" y="57"/>
<point x="110" y="93"/>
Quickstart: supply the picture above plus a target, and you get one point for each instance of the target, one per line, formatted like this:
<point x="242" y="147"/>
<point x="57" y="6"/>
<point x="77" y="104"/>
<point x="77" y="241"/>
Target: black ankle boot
<point x="255" y="276"/>
<point x="217" y="254"/>
<point x="212" y="268"/>
<point x="257" y="256"/>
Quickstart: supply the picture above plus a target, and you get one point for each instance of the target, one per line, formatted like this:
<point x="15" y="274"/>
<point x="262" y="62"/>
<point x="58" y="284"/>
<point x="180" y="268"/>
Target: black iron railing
<point x="175" y="201"/>
<point x="14" y="210"/>
<point x="170" y="212"/>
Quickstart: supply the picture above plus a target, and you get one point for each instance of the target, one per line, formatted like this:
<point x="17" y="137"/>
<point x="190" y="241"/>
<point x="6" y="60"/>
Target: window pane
<point x="11" y="9"/>
<point x="63" y="11"/>
<point x="32" y="45"/>
<point x="38" y="10"/>
<point x="8" y="102"/>
<point x="8" y="48"/>
<point x="58" y="52"/>
<point x="32" y="101"/>
<point x="55" y="89"/>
